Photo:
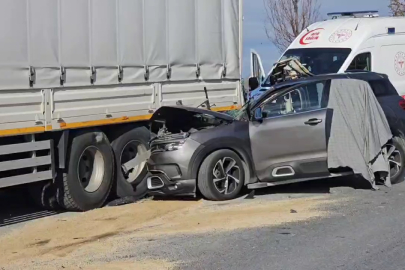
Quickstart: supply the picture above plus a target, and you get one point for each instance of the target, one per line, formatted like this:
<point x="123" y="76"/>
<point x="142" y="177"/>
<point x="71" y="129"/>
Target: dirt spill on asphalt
<point x="82" y="239"/>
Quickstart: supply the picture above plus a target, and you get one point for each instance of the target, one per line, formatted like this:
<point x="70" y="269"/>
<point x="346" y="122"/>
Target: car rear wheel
<point x="396" y="153"/>
<point x="221" y="176"/>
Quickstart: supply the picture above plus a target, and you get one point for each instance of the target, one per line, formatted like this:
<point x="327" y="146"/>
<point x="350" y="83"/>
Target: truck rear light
<point x="403" y="97"/>
<point x="402" y="104"/>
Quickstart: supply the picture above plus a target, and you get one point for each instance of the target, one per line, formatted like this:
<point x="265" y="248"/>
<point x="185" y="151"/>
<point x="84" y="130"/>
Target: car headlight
<point x="166" y="147"/>
<point x="173" y="146"/>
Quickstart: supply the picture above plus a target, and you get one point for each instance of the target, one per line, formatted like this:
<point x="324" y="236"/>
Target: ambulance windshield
<point x="318" y="60"/>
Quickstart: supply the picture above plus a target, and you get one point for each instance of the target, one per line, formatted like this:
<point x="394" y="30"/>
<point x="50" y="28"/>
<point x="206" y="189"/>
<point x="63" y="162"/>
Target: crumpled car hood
<point x="169" y="111"/>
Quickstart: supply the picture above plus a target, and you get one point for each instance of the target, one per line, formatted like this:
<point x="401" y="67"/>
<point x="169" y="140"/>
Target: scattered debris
<point x="250" y="196"/>
<point x="125" y="200"/>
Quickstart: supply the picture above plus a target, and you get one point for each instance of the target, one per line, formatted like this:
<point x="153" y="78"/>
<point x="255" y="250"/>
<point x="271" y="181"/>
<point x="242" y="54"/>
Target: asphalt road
<point x="366" y="232"/>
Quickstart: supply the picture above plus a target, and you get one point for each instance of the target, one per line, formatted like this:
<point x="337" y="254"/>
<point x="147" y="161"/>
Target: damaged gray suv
<point x="300" y="130"/>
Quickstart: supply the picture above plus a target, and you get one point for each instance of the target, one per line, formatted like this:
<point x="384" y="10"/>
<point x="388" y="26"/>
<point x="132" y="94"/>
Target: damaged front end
<point x="173" y="147"/>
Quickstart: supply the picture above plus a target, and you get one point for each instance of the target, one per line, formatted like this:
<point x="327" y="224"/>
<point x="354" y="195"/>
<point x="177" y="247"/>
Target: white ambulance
<point x="348" y="41"/>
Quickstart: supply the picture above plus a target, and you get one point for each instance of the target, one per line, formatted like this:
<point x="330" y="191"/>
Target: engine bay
<point x="176" y="120"/>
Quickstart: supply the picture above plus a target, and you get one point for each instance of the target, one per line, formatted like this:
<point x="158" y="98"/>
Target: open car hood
<point x="165" y="112"/>
<point x="168" y="121"/>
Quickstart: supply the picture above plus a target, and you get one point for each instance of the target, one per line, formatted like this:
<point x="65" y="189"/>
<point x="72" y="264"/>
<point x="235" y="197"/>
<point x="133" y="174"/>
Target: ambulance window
<point x="361" y="62"/>
<point x="316" y="60"/>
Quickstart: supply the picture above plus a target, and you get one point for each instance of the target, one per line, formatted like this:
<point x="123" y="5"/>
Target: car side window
<point x="301" y="99"/>
<point x="361" y="62"/>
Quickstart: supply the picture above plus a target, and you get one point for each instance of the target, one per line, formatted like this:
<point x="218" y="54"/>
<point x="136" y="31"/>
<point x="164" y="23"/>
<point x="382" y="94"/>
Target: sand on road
<point x="88" y="240"/>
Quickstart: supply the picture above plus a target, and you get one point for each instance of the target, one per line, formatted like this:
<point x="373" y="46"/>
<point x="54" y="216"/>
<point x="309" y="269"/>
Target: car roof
<point x="360" y="75"/>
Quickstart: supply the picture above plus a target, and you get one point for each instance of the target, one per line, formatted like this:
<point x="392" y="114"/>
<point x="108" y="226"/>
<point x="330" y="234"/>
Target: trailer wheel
<point x="89" y="179"/>
<point x="126" y="147"/>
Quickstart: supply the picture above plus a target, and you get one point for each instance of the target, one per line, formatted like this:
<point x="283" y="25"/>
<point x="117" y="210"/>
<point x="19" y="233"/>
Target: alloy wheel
<point x="226" y="175"/>
<point x="395" y="160"/>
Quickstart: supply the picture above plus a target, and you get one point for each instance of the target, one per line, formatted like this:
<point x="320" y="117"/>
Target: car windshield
<point x="242" y="114"/>
<point x="318" y="60"/>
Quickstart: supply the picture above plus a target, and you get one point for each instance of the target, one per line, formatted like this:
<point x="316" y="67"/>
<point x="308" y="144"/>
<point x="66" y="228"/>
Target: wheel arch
<point x="205" y="150"/>
<point x="64" y="138"/>
<point x="65" y="144"/>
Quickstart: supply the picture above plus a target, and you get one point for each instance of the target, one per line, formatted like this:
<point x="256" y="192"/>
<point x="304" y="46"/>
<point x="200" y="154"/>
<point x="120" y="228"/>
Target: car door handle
<point x="313" y="122"/>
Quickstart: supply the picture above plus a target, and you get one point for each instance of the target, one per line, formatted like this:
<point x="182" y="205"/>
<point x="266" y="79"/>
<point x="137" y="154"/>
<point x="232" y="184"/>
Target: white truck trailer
<point x="79" y="80"/>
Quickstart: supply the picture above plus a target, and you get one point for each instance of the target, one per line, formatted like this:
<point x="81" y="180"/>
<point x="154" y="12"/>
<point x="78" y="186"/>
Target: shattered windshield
<point x="318" y="60"/>
<point x="241" y="114"/>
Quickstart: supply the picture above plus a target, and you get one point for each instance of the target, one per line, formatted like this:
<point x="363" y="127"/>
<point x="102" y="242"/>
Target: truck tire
<point x="44" y="195"/>
<point x="222" y="164"/>
<point x="125" y="148"/>
<point x="89" y="179"/>
<point x="397" y="161"/>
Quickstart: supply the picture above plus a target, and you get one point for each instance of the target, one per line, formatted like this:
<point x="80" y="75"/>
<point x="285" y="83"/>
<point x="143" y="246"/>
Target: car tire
<point x="398" y="156"/>
<point x="89" y="179"/>
<point x="218" y="190"/>
<point x="125" y="148"/>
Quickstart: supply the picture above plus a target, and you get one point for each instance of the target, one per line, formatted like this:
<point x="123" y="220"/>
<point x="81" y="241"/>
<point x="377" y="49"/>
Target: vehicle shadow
<point x="17" y="207"/>
<point x="177" y="198"/>
<point x="323" y="186"/>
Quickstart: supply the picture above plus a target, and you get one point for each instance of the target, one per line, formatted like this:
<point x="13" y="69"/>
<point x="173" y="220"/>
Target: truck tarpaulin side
<point x="47" y="43"/>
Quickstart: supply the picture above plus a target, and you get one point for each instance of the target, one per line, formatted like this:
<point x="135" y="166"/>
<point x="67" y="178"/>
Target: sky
<point x="254" y="35"/>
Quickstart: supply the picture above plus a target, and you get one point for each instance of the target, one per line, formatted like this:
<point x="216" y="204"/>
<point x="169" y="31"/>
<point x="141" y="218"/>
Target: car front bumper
<point x="169" y="172"/>
<point x="159" y="184"/>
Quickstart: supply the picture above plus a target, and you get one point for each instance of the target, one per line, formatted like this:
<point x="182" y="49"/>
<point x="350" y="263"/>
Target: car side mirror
<point x="258" y="115"/>
<point x="253" y="83"/>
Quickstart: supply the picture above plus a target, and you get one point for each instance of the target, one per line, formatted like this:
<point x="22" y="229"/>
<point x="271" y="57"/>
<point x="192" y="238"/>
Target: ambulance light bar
<point x="354" y="14"/>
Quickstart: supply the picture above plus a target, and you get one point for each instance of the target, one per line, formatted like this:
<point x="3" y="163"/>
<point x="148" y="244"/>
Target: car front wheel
<point x="221" y="176"/>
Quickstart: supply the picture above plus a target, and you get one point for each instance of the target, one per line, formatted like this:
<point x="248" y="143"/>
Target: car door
<point x="291" y="140"/>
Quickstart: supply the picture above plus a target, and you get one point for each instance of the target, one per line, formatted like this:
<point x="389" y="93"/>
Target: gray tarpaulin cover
<point x="359" y="130"/>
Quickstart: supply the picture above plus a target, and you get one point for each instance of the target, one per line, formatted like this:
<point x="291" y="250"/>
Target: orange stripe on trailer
<point x="228" y="108"/>
<point x="21" y="131"/>
<point x="120" y="120"/>
<point x="126" y="119"/>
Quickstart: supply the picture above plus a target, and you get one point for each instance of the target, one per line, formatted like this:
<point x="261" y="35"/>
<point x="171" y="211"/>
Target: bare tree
<point x="287" y="18"/>
<point x="397" y="7"/>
